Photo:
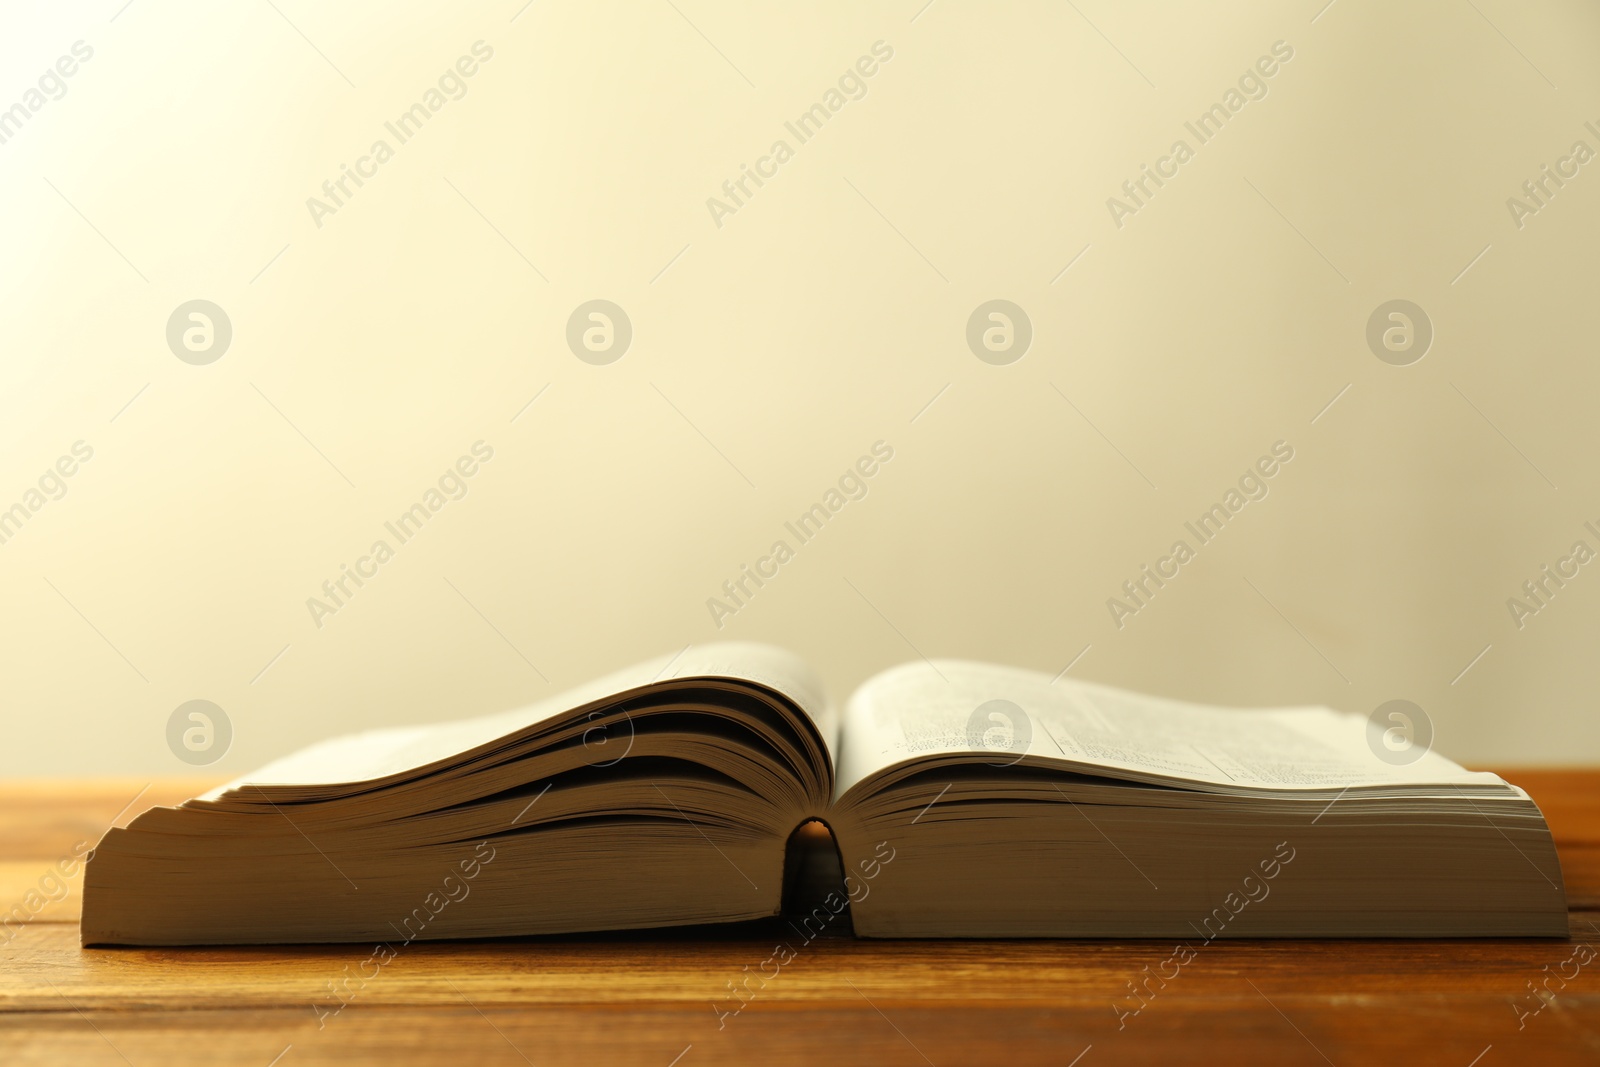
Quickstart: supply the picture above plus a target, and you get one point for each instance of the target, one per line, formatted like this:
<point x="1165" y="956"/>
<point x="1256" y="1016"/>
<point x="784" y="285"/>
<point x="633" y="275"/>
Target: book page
<point x="945" y="707"/>
<point x="378" y="754"/>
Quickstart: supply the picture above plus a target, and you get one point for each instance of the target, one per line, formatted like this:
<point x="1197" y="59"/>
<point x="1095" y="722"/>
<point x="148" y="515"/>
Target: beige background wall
<point x="768" y="354"/>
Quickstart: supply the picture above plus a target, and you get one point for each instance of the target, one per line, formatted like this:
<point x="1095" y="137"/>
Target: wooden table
<point x="648" y="999"/>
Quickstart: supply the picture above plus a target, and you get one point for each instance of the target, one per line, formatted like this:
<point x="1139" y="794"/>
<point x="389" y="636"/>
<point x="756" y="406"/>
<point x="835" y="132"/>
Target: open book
<point x="966" y="800"/>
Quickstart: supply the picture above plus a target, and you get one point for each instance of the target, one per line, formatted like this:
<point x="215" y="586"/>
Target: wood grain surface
<point x="663" y="998"/>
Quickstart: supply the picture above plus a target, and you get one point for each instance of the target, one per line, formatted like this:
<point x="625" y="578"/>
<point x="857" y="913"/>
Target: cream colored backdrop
<point x="775" y="340"/>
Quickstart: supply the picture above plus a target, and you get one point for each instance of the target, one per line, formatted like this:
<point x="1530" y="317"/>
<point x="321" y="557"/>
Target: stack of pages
<point x="966" y="800"/>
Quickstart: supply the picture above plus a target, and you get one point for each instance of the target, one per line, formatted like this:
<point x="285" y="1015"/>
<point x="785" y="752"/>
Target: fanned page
<point x="951" y="708"/>
<point x="402" y="751"/>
